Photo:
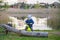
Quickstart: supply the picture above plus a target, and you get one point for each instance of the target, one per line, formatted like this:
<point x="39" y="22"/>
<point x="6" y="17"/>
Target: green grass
<point x="14" y="36"/>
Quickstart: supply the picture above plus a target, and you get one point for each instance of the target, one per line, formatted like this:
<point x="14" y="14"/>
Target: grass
<point x="13" y="36"/>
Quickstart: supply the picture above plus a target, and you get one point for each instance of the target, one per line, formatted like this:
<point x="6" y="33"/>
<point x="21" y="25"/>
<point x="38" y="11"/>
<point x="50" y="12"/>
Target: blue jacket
<point x="28" y="22"/>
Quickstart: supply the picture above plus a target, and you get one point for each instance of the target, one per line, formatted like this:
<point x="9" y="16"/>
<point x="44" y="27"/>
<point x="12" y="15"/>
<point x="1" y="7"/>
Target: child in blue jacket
<point x="30" y="22"/>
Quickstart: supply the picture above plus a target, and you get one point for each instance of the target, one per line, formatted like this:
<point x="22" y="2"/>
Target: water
<point x="39" y="23"/>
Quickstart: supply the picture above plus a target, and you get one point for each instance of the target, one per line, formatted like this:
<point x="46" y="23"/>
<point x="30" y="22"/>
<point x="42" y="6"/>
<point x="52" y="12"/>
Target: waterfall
<point x="39" y="23"/>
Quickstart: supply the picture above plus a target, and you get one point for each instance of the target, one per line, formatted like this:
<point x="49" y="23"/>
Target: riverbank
<point x="42" y="12"/>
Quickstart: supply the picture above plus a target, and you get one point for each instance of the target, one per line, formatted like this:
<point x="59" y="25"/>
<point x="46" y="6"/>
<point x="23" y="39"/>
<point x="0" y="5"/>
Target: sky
<point x="31" y="1"/>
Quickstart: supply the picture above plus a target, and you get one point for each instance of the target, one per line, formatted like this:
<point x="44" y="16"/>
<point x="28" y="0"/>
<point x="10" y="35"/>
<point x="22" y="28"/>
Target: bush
<point x="26" y="6"/>
<point x="55" y="21"/>
<point x="36" y="6"/>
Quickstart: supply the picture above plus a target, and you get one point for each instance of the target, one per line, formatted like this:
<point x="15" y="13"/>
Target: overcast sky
<point x="32" y="1"/>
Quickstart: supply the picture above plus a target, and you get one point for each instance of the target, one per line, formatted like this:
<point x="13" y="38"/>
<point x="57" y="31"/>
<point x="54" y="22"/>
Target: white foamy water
<point x="39" y="23"/>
